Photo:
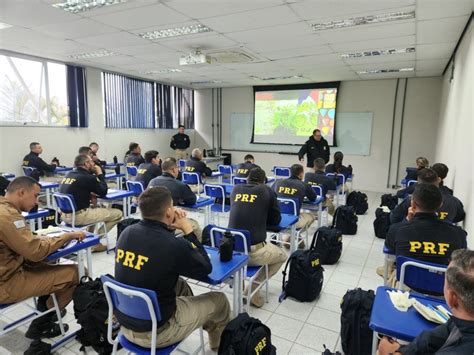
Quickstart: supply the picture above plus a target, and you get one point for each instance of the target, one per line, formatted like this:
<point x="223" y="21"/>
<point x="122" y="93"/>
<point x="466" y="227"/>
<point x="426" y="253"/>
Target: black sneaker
<point x="44" y="330"/>
<point x="37" y="347"/>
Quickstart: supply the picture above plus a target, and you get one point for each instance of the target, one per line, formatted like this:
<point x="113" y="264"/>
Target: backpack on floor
<point x="328" y="244"/>
<point x="91" y="312"/>
<point x="358" y="200"/>
<point x="50" y="219"/>
<point x="345" y="219"/>
<point x="124" y="224"/>
<point x="381" y="222"/>
<point x="389" y="200"/>
<point x="356" y="336"/>
<point x="305" y="279"/>
<point x="246" y="335"/>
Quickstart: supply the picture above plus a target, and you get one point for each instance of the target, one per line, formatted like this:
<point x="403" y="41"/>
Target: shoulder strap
<point x="315" y="238"/>
<point x="283" y="294"/>
<point x="334" y="220"/>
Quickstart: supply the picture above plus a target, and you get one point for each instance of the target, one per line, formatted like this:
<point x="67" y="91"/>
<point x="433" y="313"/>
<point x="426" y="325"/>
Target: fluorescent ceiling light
<point x="162" y="71"/>
<point x="379" y="52"/>
<point x="76" y="6"/>
<point x="382" y="71"/>
<point x="364" y="20"/>
<point x="96" y="54"/>
<point x="176" y="31"/>
<point x="206" y="82"/>
<point x="278" y="77"/>
<point x="4" y="25"/>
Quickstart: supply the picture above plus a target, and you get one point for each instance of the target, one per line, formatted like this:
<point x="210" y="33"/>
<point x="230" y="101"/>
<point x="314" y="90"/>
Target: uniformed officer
<point x="196" y="165"/>
<point x="85" y="183"/>
<point x="180" y="142"/>
<point x="254" y="206"/>
<point x="243" y="169"/>
<point x="451" y="210"/>
<point x="315" y="147"/>
<point x="33" y="160"/>
<point x="95" y="148"/>
<point x="423" y="235"/>
<point x="319" y="178"/>
<point x="421" y="163"/>
<point x="442" y="171"/>
<point x="150" y="169"/>
<point x="337" y="167"/>
<point x="134" y="155"/>
<point x="22" y="272"/>
<point x="3" y="185"/>
<point x="456" y="336"/>
<point x="84" y="150"/>
<point x="149" y="255"/>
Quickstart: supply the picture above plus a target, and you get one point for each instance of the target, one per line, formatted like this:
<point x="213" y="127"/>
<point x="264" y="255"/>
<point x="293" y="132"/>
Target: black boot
<point x="44" y="327"/>
<point x="37" y="347"/>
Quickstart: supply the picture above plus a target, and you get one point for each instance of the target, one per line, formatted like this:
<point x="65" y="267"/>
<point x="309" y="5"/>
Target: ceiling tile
<point x="112" y="40"/>
<point x="387" y="75"/>
<point x="440" y="30"/>
<point x="381" y="59"/>
<point x="393" y="42"/>
<point x="432" y="72"/>
<point x="76" y="29"/>
<point x="117" y="60"/>
<point x="434" y="51"/>
<point x="149" y="48"/>
<point x="297" y="52"/>
<point x="287" y="31"/>
<point x="435" y="9"/>
<point x="279" y="43"/>
<point x="190" y="43"/>
<point x="436" y="64"/>
<point x="386" y="65"/>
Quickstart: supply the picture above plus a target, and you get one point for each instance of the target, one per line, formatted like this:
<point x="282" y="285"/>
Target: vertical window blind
<point x="76" y="96"/>
<point x="175" y="106"/>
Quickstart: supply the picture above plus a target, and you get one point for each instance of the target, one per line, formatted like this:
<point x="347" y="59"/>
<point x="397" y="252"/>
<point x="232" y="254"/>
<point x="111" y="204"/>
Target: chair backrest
<point x="238" y="180"/>
<point x="281" y="172"/>
<point x="191" y="178"/>
<point x="288" y="205"/>
<point x="421" y="276"/>
<point x="27" y="170"/>
<point x="225" y="169"/>
<point x="134" y="302"/>
<point x="181" y="164"/>
<point x="215" y="191"/>
<point x="341" y="178"/>
<point x="318" y="190"/>
<point x="65" y="202"/>
<point x="411" y="182"/>
<point x="132" y="170"/>
<point x="135" y="186"/>
<point x="242" y="238"/>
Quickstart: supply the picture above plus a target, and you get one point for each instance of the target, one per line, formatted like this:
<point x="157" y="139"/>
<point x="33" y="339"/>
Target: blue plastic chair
<point x="216" y="192"/>
<point x="67" y="204"/>
<point x="27" y="170"/>
<point x="281" y="172"/>
<point x="181" y="164"/>
<point x="318" y="190"/>
<point x="238" y="180"/>
<point x="291" y="206"/>
<point x="242" y="244"/>
<point x="226" y="170"/>
<point x="139" y="303"/>
<point x="192" y="179"/>
<point x="421" y="276"/>
<point x="135" y="186"/>
<point x="340" y="190"/>
<point x="411" y="182"/>
<point x="132" y="170"/>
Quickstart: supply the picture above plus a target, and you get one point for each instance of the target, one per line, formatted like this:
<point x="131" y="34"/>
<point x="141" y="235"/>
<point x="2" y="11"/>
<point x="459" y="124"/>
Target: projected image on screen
<point x="290" y="116"/>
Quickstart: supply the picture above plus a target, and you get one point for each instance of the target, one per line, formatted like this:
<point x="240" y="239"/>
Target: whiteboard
<point x="353" y="134"/>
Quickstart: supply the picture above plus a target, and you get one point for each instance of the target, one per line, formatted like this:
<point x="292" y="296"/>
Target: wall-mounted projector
<point x="195" y="58"/>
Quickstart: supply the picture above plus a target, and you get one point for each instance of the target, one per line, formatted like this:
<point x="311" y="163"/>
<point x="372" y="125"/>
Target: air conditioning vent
<point x="234" y="55"/>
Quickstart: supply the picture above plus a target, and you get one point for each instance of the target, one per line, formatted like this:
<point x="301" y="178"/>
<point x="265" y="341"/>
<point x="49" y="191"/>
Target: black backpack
<point x="381" y="223"/>
<point x="345" y="219"/>
<point x="358" y="200"/>
<point x="328" y="244"/>
<point x="50" y="219"/>
<point x="305" y="279"/>
<point x="124" y="224"/>
<point x="246" y="335"/>
<point x="389" y="200"/>
<point x="356" y="336"/>
<point x="91" y="312"/>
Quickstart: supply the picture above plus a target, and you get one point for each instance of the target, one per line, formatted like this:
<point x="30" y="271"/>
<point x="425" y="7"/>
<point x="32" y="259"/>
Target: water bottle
<point x="115" y="159"/>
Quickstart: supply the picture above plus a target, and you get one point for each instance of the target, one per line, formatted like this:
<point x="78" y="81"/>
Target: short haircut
<point x="319" y="163"/>
<point x="93" y="143"/>
<point x="132" y="146"/>
<point x="154" y="202"/>
<point x="423" y="162"/>
<point x="440" y="169"/>
<point x="316" y="130"/>
<point x="33" y="145"/>
<point x="168" y="164"/>
<point x="84" y="150"/>
<point x="180" y="126"/>
<point x="22" y="182"/>
<point x="80" y="160"/>
<point x="296" y="169"/>
<point x="249" y="157"/>
<point x="427" y="196"/>
<point x="427" y="176"/>
<point x="150" y="155"/>
<point x="195" y="152"/>
<point x="257" y="175"/>
<point x="460" y="277"/>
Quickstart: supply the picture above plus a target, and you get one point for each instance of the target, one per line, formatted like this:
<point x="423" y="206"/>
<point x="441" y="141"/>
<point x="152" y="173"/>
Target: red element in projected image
<point x="263" y="96"/>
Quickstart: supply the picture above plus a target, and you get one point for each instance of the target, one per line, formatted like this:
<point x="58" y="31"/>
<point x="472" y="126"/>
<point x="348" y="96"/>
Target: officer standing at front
<point x="180" y="142"/>
<point x="315" y="147"/>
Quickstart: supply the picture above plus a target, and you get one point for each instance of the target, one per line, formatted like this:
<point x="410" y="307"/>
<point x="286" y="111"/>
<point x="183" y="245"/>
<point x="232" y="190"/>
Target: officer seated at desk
<point x="456" y="336"/>
<point x="253" y="206"/>
<point x="150" y="256"/>
<point x="33" y="160"/>
<point x="133" y="157"/>
<point x="243" y="169"/>
<point x="196" y="165"/>
<point x="150" y="169"/>
<point x="319" y="178"/>
<point x="423" y="235"/>
<point x="22" y="272"/>
<point x="94" y="149"/>
<point x="84" y="150"/>
<point x="85" y="183"/>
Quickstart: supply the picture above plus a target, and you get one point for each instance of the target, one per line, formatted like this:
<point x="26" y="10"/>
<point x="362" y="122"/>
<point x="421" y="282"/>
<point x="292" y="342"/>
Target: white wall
<point x="377" y="96"/>
<point x="64" y="142"/>
<point x="456" y="130"/>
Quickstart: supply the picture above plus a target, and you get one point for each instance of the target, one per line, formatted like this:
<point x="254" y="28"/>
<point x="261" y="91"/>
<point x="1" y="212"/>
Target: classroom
<point x="236" y="177"/>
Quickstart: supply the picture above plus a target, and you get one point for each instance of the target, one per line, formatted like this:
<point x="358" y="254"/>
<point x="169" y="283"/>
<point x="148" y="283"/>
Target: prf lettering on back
<point x="190" y="168"/>
<point x="141" y="171"/>
<point x="68" y="181"/>
<point x="442" y="215"/>
<point x="242" y="171"/>
<point x="26" y="162"/>
<point x="286" y="190"/>
<point x="245" y="198"/>
<point x="312" y="183"/>
<point x="127" y="258"/>
<point x="131" y="163"/>
<point x="314" y="262"/>
<point x="429" y="247"/>
<point x="260" y="346"/>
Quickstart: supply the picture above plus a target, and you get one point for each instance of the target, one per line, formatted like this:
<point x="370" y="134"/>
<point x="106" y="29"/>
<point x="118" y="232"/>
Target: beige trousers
<point x="270" y="255"/>
<point x="305" y="220"/>
<point x="210" y="310"/>
<point x="111" y="216"/>
<point x="180" y="153"/>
